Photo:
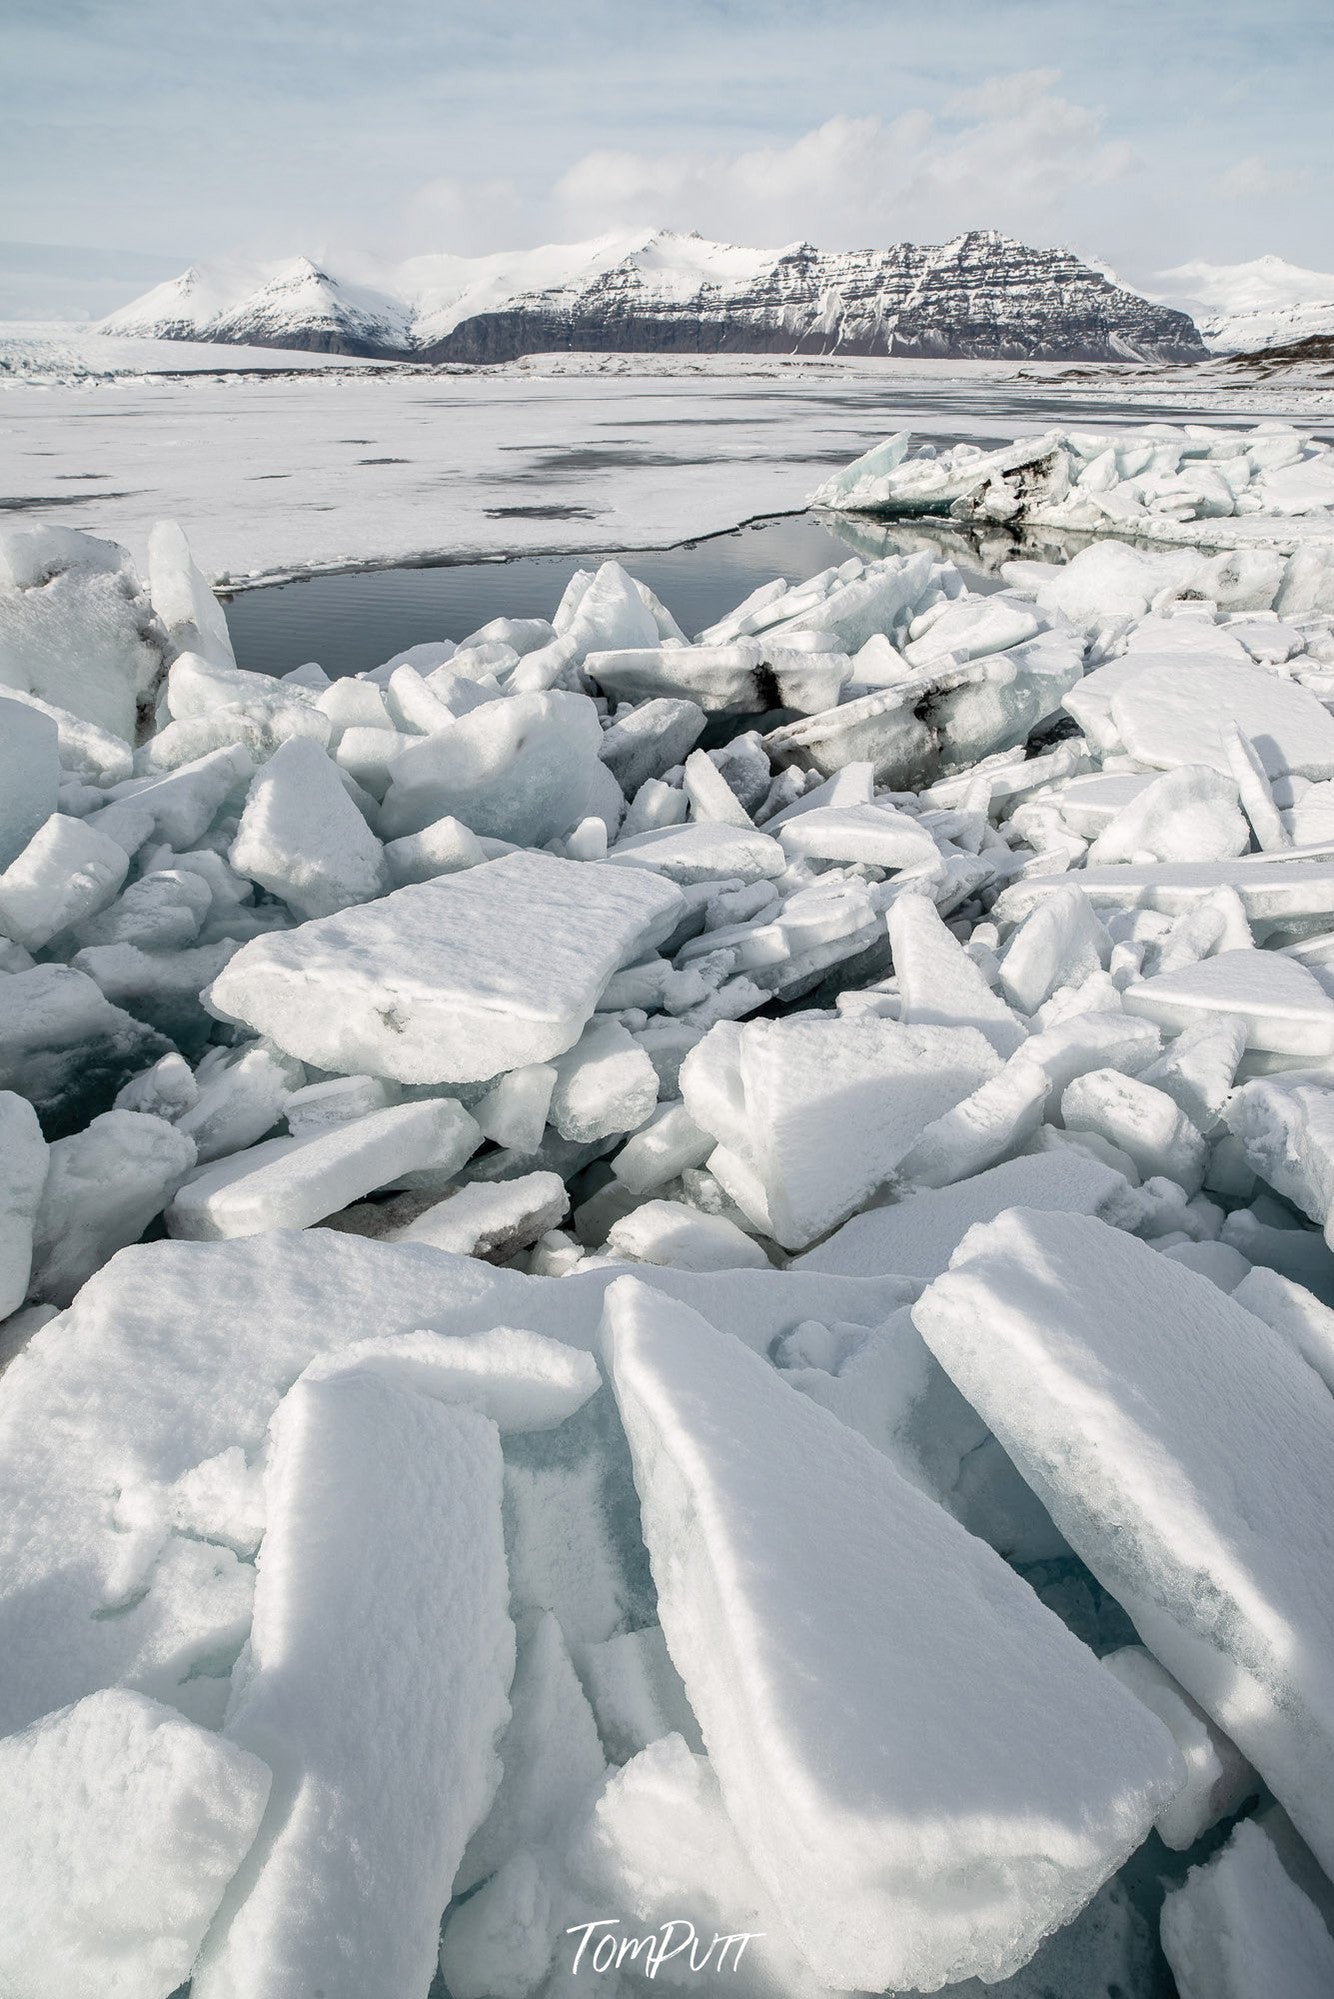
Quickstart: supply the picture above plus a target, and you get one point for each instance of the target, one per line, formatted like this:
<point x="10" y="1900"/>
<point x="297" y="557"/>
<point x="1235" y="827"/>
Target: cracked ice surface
<point x="624" y="1260"/>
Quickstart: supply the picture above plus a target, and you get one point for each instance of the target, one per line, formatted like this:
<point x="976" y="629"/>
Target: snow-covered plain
<point x="625" y="1258"/>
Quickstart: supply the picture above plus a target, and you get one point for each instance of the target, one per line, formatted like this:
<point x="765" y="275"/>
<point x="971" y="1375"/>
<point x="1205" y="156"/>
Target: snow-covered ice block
<point x="288" y="1183"/>
<point x="1294" y="1312"/>
<point x="65" y="1047"/>
<point x="1284" y="1007"/>
<point x="876" y="834"/>
<point x="692" y="1913"/>
<point x="915" y="1820"/>
<point x="66" y="872"/>
<point x="1190" y="1472"/>
<point x="520" y="1380"/>
<point x="29" y="775"/>
<point x="1272" y="891"/>
<point x="917" y="1235"/>
<point x="819" y="1112"/>
<point x="521" y="769"/>
<point x="670" y="1232"/>
<point x="1188" y="814"/>
<point x="702" y="852"/>
<point x="76" y="628"/>
<point x="661" y="1150"/>
<point x="123" y="1825"/>
<point x="242" y="1093"/>
<point x="981" y="1130"/>
<point x="1287" y="1129"/>
<point x="103" y="1187"/>
<point x="1239" y="1927"/>
<point x="455" y="980"/>
<point x="939" y="984"/>
<point x="495" y="1220"/>
<point x="194" y="619"/>
<point x="1060" y="942"/>
<point x="1144" y="1123"/>
<point x="649" y="739"/>
<point x="23" y="1167"/>
<point x="604" y="1084"/>
<point x="176" y="1352"/>
<point x="1218" y="1777"/>
<point x="302" y="838"/>
<point x="445" y="847"/>
<point x="1171" y="711"/>
<point x="374" y="1687"/>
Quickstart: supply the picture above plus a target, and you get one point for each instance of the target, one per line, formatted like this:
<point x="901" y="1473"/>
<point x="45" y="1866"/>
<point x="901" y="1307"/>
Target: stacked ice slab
<point x="1127" y="481"/>
<point x="666" y="1306"/>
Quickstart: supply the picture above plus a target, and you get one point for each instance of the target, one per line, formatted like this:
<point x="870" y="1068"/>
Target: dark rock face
<point x="982" y="297"/>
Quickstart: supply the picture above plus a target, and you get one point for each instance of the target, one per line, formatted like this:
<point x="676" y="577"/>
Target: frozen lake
<point x="278" y="475"/>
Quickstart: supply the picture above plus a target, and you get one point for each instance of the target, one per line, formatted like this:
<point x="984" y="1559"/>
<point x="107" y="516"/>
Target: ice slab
<point x="23" y="1167"/>
<point x="1272" y="892"/>
<point x="1186" y="1471"/>
<point x="103" y="1187"/>
<point x="29" y="775"/>
<point x="1283" y="1005"/>
<point x="917" y="1236"/>
<point x="454" y="980"/>
<point x="1171" y="711"/>
<point x="915" y="1821"/>
<point x="124" y="1824"/>
<point x="67" y="871"/>
<point x="374" y="1687"/>
<point x="176" y="1353"/>
<point x="1218" y="1777"/>
<point x="302" y="838"/>
<point x="521" y="769"/>
<point x="65" y="1047"/>
<point x="1239" y="1927"/>
<point x="288" y="1183"/>
<point x="821" y="1111"/>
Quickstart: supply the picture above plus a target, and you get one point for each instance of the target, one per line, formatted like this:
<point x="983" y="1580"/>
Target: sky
<point x="137" y="136"/>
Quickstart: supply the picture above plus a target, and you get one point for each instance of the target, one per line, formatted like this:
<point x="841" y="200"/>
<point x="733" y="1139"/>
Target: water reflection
<point x="351" y="622"/>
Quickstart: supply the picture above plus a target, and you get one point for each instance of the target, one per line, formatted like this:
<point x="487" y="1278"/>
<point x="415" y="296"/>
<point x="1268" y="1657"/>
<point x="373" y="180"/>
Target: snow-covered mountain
<point x="982" y="296"/>
<point x="1242" y="307"/>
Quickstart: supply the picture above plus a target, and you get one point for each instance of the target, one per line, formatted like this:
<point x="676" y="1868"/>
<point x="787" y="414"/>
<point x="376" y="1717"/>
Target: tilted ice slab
<point x="1274" y="891"/>
<point x="813" y="1114"/>
<point x="927" y="1770"/>
<point x="455" y="980"/>
<point x="1183" y="1449"/>
<point x="123" y="1825"/>
<point x="1284" y="1007"/>
<point x="126" y="1427"/>
<point x="374" y="1687"/>
<point x="917" y="1236"/>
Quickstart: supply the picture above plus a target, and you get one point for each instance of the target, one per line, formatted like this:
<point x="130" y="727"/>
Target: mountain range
<point x="981" y="296"/>
<point x="1240" y="308"/>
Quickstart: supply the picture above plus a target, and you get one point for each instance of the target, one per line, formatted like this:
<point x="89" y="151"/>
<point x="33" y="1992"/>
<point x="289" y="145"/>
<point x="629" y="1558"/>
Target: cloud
<point x="1008" y="154"/>
<point x="1253" y="177"/>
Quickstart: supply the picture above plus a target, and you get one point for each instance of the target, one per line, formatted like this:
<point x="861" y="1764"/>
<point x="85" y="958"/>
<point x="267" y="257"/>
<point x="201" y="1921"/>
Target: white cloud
<point x="1007" y="154"/>
<point x="1252" y="176"/>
